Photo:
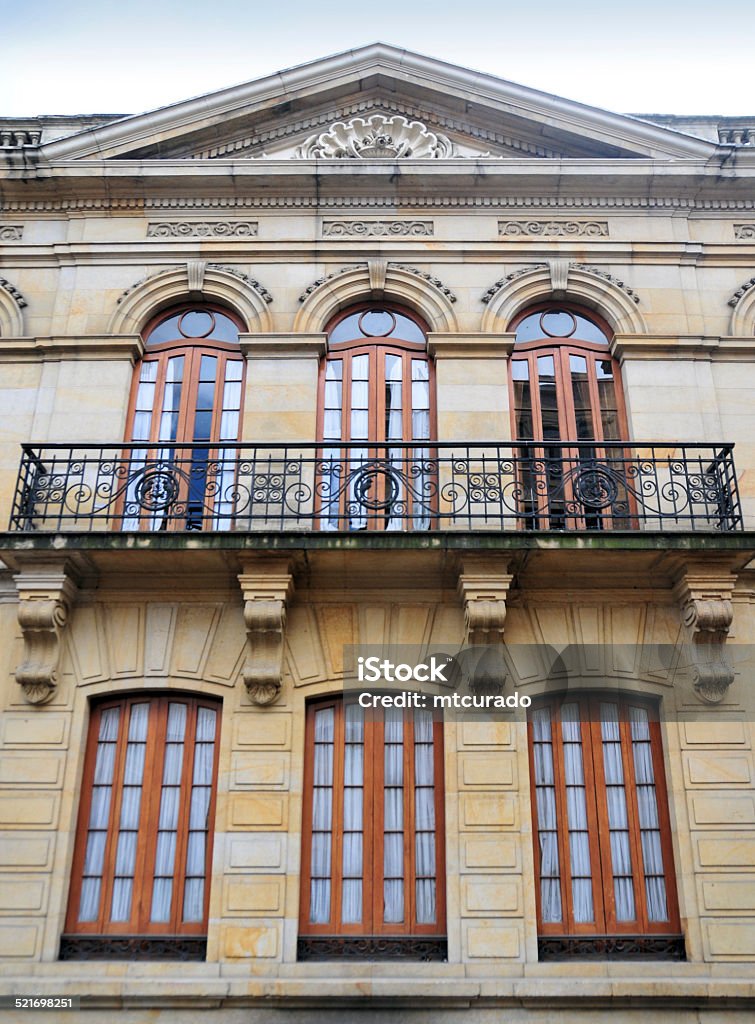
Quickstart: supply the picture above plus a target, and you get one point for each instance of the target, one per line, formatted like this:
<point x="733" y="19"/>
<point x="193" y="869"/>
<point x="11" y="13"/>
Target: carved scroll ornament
<point x="45" y="600"/>
<point x="707" y="612"/>
<point x="265" y="599"/>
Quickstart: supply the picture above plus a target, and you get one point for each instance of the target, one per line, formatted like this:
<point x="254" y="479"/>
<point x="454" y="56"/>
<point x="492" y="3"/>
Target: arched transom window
<point x="185" y="405"/>
<point x="376" y="419"/>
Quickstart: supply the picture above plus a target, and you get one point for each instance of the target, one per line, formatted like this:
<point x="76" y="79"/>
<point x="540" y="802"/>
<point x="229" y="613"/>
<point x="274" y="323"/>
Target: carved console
<point x="266" y="586"/>
<point x="483" y="587"/>
<point x="703" y="591"/>
<point x="46" y="594"/>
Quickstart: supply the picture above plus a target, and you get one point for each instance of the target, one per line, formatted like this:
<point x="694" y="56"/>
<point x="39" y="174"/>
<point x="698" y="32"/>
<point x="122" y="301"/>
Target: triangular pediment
<point x="378" y="102"/>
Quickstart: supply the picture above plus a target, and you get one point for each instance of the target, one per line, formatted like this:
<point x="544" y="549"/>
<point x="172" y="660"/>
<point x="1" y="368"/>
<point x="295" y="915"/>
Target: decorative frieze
<point x="11" y="232"/>
<point x="203" y="229"/>
<point x="744" y="231"/>
<point x="46" y="593"/>
<point x="376" y="137"/>
<point x="552" y="228"/>
<point x="377" y="228"/>
<point x="14" y="293"/>
<point x="365" y="202"/>
<point x="266" y="585"/>
<point x="703" y="592"/>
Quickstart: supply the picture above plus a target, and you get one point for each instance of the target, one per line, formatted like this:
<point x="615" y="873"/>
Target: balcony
<point x="449" y="486"/>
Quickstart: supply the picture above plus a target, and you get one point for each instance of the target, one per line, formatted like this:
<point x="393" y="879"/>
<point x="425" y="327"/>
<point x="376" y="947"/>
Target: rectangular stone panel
<point x="730" y="940"/>
<point x="487" y="770"/>
<point x="481" y="898"/>
<point x="18" y="941"/>
<point x="25" y="852"/>
<point x="257" y="812"/>
<point x="31" y="771"/>
<point x="252" y="941"/>
<point x="733" y="852"/>
<point x="22" y="895"/>
<point x="486" y="734"/>
<point x="259" y="771"/>
<point x="719" y="809"/>
<point x="492" y="942"/>
<point x="713" y="733"/>
<point x="262" y="853"/>
<point x="715" y="770"/>
<point x="733" y="896"/>
<point x="39" y="730"/>
<point x="490" y="855"/>
<point x="28" y="810"/>
<point x="251" y="896"/>
<point x="488" y="810"/>
<point x="262" y="730"/>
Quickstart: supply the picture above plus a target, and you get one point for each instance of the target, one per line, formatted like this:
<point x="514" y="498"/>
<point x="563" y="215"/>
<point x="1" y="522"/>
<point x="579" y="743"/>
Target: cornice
<point x="470" y="345"/>
<point x="283" y="345"/>
<point x="616" y="203"/>
<point x="89" y="347"/>
<point x="705" y="348"/>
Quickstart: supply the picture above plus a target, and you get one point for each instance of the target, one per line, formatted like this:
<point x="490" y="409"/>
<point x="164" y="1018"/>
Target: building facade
<point x="382" y="357"/>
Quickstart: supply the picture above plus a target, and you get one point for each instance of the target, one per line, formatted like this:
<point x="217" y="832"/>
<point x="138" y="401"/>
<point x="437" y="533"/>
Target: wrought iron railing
<point x="349" y="487"/>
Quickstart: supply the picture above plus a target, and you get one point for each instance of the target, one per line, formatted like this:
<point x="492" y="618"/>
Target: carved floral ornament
<point x="377" y="137"/>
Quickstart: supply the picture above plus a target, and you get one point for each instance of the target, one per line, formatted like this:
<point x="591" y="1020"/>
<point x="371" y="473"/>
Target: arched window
<point x="185" y="405"/>
<point x="376" y="417"/>
<point x="142" y="860"/>
<point x="373" y="833"/>
<point x="567" y="400"/>
<point x="603" y="853"/>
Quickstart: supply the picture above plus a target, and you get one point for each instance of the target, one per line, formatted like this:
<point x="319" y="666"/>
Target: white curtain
<point x="322" y="823"/>
<point x="576" y="810"/>
<point x="353" y="800"/>
<point x="165" y="855"/>
<point x="613" y="769"/>
<point x="131" y="795"/>
<point x="647" y="804"/>
<point x="393" y="818"/>
<point x="545" y="795"/>
<point x="99" y="815"/>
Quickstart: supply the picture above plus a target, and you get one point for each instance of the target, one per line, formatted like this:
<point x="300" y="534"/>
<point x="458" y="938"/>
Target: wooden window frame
<point x="605" y="922"/>
<point x="373" y="821"/>
<point x="139" y="923"/>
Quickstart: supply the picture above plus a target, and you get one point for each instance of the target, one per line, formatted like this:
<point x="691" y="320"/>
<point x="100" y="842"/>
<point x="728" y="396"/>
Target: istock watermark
<point x="687" y="683"/>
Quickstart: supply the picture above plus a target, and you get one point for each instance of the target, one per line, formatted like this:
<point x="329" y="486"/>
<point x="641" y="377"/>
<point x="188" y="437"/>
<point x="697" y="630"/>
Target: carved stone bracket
<point x="266" y="590"/>
<point x="46" y="594"/>
<point x="703" y="592"/>
<point x="483" y="587"/>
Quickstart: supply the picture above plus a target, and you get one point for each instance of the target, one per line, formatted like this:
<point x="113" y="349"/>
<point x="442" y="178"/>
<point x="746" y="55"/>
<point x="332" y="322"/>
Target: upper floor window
<point x="187" y="390"/>
<point x="603" y="853"/>
<point x="372" y="836"/>
<point x="377" y="415"/>
<point x="568" y="408"/>
<point x="142" y="859"/>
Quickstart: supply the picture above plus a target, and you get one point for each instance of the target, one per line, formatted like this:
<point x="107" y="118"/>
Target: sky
<point x="633" y="56"/>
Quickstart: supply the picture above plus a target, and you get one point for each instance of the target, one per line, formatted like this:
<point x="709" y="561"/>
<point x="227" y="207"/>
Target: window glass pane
<point x="559" y="324"/>
<point x="548" y="398"/>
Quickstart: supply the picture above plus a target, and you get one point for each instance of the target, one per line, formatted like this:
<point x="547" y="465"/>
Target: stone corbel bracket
<point x="703" y="593"/>
<point x="483" y="588"/>
<point x="266" y="590"/>
<point x="46" y="595"/>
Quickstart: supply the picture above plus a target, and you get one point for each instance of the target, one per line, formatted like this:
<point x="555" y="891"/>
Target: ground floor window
<point x="140" y="882"/>
<point x="603" y="857"/>
<point x="373" y="879"/>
